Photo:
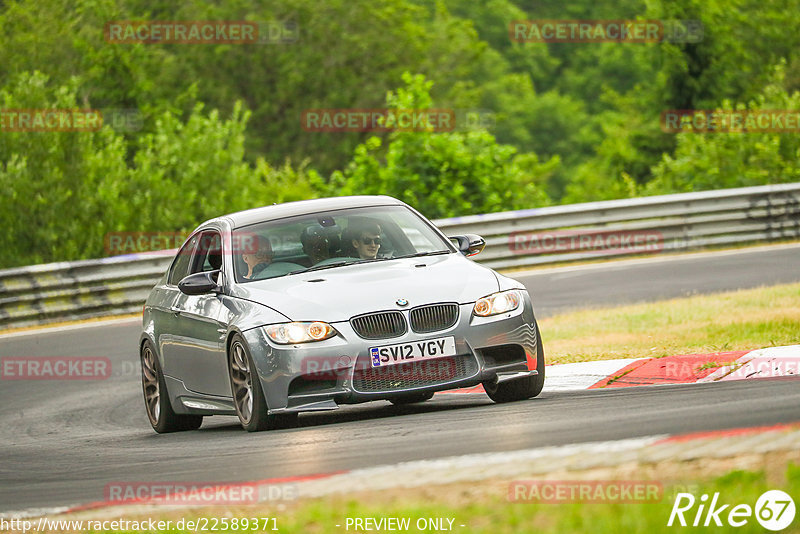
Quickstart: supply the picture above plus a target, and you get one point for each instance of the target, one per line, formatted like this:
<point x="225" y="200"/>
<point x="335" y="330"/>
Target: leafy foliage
<point x="720" y="160"/>
<point x="62" y="192"/>
<point x="443" y="174"/>
<point x="221" y="130"/>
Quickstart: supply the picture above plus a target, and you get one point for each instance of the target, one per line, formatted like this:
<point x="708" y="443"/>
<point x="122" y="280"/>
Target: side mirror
<point x="199" y="283"/>
<point x="469" y="244"/>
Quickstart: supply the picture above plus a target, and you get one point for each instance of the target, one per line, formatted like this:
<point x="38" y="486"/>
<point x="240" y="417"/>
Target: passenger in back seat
<point x="319" y="243"/>
<point x="257" y="257"/>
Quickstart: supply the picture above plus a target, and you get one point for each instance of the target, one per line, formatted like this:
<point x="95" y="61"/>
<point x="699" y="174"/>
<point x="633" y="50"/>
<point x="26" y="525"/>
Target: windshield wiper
<point x="367" y="260"/>
<point x="418" y="254"/>
<point x="321" y="267"/>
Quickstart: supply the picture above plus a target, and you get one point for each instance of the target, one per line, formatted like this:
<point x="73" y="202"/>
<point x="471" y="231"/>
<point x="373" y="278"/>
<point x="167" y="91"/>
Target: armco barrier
<point x="682" y="221"/>
<point x="74" y="290"/>
<point x="65" y="291"/>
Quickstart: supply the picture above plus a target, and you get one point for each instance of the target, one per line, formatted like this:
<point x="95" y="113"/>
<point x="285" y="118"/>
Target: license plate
<point x="414" y="351"/>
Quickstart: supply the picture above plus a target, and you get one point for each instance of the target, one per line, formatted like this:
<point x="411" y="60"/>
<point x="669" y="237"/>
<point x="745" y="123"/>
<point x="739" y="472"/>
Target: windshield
<point x="328" y="240"/>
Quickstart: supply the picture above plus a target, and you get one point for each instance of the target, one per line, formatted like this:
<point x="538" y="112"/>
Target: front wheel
<point x="156" y="400"/>
<point x="522" y="388"/>
<point x="248" y="396"/>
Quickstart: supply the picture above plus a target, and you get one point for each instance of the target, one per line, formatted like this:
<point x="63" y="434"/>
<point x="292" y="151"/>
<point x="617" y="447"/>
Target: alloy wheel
<point x="152" y="391"/>
<point x="242" y="380"/>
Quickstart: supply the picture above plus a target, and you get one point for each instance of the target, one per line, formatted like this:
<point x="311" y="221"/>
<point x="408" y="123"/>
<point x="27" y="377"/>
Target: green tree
<point x="705" y="161"/>
<point x="444" y="174"/>
<point x="57" y="189"/>
<point x="62" y="192"/>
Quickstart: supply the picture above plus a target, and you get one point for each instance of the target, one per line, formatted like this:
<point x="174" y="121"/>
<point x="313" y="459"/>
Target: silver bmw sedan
<point x="307" y="305"/>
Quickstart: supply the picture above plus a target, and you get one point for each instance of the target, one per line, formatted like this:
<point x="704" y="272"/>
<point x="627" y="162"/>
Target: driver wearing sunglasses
<point x="367" y="242"/>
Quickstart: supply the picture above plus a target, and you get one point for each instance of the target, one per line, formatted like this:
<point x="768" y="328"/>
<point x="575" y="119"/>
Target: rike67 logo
<point x="774" y="510"/>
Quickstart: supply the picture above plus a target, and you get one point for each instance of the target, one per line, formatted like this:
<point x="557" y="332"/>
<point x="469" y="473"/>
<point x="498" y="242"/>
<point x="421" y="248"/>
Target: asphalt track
<point x="637" y="280"/>
<point x="61" y="442"/>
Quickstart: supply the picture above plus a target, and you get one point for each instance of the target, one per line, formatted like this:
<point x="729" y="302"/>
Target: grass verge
<point x="496" y="515"/>
<point x="484" y="507"/>
<point x="738" y="320"/>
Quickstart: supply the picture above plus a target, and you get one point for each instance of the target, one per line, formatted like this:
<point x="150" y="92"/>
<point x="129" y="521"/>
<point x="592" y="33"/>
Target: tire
<point x="248" y="396"/>
<point x="162" y="417"/>
<point x="411" y="399"/>
<point x="523" y="388"/>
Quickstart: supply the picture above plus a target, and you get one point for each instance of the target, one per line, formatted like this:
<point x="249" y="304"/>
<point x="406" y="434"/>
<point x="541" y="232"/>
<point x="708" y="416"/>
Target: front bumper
<point x="322" y="375"/>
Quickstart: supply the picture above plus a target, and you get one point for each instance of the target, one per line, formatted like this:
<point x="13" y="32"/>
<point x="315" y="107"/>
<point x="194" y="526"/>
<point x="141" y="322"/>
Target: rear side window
<point x="208" y="253"/>
<point x="180" y="266"/>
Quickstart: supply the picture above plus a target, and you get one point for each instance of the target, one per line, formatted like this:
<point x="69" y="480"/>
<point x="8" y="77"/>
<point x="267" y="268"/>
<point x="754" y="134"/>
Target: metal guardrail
<point x="65" y="291"/>
<point x="75" y="290"/>
<point x="683" y="221"/>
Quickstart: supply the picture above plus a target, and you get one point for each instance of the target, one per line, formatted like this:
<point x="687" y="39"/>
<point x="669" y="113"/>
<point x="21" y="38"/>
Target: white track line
<point x="102" y="323"/>
<point x="648" y="260"/>
<point x="581" y="375"/>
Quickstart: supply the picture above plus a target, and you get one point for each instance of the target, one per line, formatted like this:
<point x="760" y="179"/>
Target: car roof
<point x="304" y="207"/>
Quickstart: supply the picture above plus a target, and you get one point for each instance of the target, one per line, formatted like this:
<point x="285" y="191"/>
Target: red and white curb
<point x="681" y="369"/>
<point x="770" y="362"/>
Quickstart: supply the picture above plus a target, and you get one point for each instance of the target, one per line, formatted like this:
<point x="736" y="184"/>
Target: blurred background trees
<point x="220" y="125"/>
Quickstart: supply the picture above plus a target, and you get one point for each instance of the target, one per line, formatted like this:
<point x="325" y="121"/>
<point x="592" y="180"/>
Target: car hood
<point x="339" y="293"/>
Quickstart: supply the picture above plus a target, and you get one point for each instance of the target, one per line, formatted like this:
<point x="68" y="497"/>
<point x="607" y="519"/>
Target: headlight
<point x="291" y="333"/>
<point x="502" y="302"/>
